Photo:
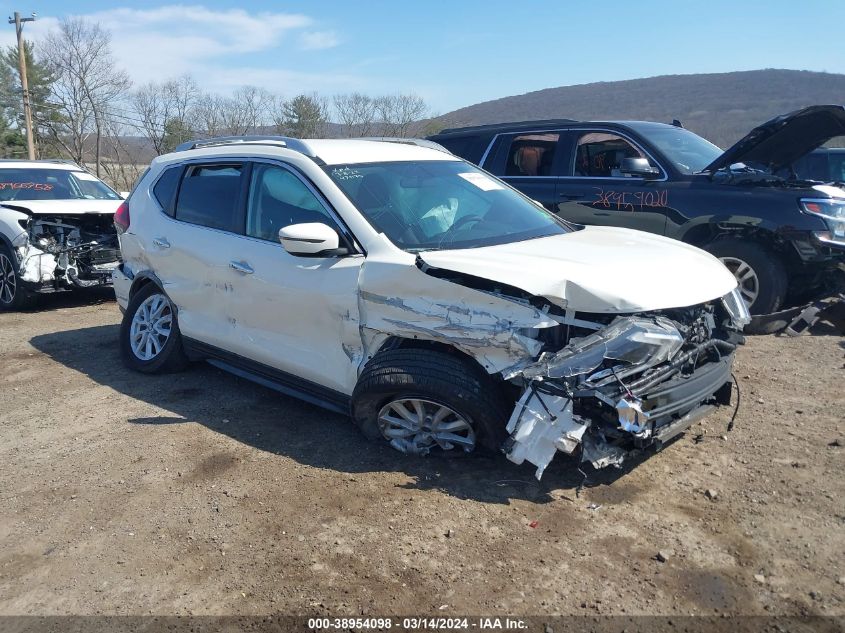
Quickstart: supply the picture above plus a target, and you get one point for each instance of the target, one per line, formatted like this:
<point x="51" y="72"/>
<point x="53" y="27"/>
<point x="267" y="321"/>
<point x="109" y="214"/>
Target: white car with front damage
<point x="56" y="230"/>
<point x="437" y="306"/>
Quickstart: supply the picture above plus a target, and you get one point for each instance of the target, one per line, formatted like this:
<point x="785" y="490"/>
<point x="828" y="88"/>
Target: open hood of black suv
<point x="783" y="140"/>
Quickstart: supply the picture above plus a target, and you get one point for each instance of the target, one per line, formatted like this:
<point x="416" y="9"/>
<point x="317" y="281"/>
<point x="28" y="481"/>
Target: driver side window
<point x="279" y="198"/>
<point x="600" y="154"/>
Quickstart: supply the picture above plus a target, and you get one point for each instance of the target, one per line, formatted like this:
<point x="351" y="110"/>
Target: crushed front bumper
<point x="610" y="409"/>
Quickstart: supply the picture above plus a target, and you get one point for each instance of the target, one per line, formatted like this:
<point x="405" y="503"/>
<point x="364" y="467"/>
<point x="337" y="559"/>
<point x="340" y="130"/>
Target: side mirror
<point x="638" y="167"/>
<point x="312" y="239"/>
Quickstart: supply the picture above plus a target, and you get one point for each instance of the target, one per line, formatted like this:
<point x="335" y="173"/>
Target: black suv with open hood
<point x="780" y="235"/>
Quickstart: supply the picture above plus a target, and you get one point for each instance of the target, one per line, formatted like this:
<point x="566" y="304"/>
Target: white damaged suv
<point x="56" y="230"/>
<point x="437" y="306"/>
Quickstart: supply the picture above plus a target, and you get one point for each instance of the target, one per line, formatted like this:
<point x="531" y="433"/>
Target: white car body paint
<point x="10" y="226"/>
<point x="598" y="269"/>
<point x="322" y="319"/>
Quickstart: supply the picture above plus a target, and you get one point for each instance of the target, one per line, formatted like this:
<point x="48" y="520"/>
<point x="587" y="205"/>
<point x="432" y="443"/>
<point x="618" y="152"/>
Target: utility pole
<point x="18" y="21"/>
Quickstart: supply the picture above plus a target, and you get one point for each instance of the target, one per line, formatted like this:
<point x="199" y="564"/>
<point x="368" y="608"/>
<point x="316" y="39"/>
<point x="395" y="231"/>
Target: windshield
<point x="442" y="205"/>
<point x="52" y="184"/>
<point x="688" y="151"/>
<point x="837" y="167"/>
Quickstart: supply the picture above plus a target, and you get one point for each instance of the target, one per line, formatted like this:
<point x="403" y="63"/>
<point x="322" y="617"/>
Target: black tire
<point x="766" y="265"/>
<point x="437" y="376"/>
<point x="171" y="357"/>
<point x="13" y="296"/>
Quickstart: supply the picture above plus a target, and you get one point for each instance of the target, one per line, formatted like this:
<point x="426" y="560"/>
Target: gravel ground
<point x="200" y="493"/>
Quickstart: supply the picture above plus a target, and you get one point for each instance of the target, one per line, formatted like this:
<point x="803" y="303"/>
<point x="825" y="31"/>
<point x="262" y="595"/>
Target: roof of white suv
<point x="330" y="151"/>
<point x="344" y="151"/>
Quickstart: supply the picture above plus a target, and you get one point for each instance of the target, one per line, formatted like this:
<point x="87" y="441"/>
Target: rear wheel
<point x="420" y="401"/>
<point x="13" y="296"/>
<point x="150" y="341"/>
<point x="759" y="272"/>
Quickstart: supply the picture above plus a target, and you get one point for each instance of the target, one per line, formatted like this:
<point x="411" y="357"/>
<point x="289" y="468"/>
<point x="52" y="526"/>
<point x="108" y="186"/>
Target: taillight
<point x="121" y="218"/>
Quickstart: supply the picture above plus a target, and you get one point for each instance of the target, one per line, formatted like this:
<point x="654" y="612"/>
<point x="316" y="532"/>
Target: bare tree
<point x="164" y="111"/>
<point x="122" y="161"/>
<point x="304" y="116"/>
<point x="397" y="112"/>
<point x="209" y="114"/>
<point x="356" y="113"/>
<point x="245" y="111"/>
<point x="86" y="82"/>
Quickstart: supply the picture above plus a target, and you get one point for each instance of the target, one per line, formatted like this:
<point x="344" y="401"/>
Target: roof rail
<point x="419" y="142"/>
<point x="511" y="124"/>
<point x="294" y="144"/>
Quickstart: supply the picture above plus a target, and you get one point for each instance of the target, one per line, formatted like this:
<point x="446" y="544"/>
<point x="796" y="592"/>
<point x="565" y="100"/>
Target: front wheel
<point x="420" y="401"/>
<point x="13" y="296"/>
<point x="759" y="272"/>
<point x="150" y="341"/>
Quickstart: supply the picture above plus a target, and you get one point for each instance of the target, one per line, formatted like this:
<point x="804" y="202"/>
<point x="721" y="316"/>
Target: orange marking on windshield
<point x="38" y="186"/>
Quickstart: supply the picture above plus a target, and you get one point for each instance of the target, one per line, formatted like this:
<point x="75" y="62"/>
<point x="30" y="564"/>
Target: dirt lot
<point x="202" y="493"/>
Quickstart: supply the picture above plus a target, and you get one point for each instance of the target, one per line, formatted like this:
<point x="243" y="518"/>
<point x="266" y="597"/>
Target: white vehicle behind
<point x="438" y="307"/>
<point x="56" y="230"/>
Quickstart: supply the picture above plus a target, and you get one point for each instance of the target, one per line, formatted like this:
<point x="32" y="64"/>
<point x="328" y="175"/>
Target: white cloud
<point x="219" y="47"/>
<point x="232" y="30"/>
<point x="318" y="40"/>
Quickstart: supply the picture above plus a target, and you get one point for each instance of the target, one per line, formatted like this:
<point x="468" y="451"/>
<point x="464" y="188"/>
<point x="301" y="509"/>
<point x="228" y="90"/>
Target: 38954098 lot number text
<point x="417" y="624"/>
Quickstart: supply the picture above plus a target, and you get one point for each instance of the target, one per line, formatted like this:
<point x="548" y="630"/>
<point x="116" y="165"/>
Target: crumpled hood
<point x="783" y="140"/>
<point x="63" y="207"/>
<point x="598" y="269"/>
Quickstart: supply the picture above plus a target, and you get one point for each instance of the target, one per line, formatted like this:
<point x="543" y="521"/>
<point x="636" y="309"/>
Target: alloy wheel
<point x="415" y="425"/>
<point x="746" y="277"/>
<point x="151" y="327"/>
<point x="8" y="280"/>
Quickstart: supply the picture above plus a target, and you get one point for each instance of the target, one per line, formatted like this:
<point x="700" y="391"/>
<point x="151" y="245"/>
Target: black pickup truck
<point x="781" y="236"/>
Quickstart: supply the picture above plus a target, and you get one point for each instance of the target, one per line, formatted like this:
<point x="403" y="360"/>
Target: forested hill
<point x="722" y="107"/>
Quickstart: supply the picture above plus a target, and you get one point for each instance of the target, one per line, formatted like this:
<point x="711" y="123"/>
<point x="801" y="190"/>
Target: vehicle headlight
<point x="832" y="211"/>
<point x="737" y="308"/>
<point x="636" y="342"/>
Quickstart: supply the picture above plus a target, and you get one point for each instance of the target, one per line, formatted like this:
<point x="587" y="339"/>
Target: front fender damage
<point x="619" y="384"/>
<point x="403" y="301"/>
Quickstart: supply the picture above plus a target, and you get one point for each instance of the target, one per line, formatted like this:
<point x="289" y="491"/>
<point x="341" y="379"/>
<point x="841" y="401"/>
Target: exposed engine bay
<point x="639" y="381"/>
<point x="78" y="250"/>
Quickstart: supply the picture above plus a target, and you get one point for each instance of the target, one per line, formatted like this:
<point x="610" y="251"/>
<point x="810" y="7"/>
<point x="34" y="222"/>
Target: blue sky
<point x="451" y="53"/>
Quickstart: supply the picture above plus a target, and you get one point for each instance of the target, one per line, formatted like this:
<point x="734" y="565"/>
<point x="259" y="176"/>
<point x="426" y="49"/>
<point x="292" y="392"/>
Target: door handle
<point x="161" y="242"/>
<point x="571" y="196"/>
<point x="241" y="267"/>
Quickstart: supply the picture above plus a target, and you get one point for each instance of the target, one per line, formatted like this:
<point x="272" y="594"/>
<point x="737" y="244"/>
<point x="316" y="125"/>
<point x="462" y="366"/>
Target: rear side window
<point x="532" y="154"/>
<point x="209" y="196"/>
<point x="165" y="189"/>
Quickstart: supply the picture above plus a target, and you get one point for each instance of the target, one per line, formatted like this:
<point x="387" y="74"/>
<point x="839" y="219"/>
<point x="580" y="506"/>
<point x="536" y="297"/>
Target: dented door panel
<point x="296" y="314"/>
<point x="192" y="263"/>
